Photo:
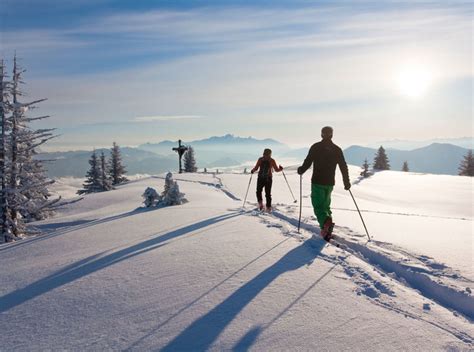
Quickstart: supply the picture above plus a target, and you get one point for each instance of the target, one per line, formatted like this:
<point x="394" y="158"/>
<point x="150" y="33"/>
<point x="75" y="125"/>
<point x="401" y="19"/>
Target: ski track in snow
<point x="219" y="185"/>
<point x="389" y="212"/>
<point x="419" y="272"/>
<point x="380" y="290"/>
<point x="379" y="270"/>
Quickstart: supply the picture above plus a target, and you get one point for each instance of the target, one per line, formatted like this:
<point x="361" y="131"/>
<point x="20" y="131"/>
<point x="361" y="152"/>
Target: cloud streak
<point x="239" y="66"/>
<point x="165" y="118"/>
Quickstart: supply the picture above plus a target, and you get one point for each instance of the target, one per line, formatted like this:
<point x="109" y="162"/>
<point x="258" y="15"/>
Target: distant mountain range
<point x="76" y="163"/>
<point x="229" y="151"/>
<point x="227" y="142"/>
<point x="437" y="158"/>
<point x="223" y="151"/>
<point x="465" y="142"/>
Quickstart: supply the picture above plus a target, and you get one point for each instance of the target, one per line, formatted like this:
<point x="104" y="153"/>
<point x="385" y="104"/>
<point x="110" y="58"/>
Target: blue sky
<point x="143" y="71"/>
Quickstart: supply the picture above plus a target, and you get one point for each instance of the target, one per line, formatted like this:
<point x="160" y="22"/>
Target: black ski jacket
<point x="324" y="156"/>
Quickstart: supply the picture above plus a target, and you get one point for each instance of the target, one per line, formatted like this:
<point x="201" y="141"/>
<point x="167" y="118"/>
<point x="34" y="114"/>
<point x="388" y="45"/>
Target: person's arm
<point x="344" y="171"/>
<point x="257" y="165"/>
<point x="307" y="162"/>
<point x="275" y="167"/>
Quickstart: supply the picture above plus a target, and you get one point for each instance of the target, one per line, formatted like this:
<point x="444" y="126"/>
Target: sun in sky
<point x="414" y="80"/>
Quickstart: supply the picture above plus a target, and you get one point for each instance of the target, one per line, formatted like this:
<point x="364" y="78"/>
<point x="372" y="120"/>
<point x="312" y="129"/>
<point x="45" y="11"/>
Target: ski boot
<point x="328" y="227"/>
<point x="269" y="210"/>
<point x="260" y="206"/>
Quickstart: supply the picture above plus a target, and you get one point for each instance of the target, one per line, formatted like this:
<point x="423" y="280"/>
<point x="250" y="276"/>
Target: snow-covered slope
<point x="208" y="276"/>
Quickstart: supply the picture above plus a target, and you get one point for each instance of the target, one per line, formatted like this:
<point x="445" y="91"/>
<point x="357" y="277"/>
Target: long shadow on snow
<point x="251" y="336"/>
<point x="204" y="331"/>
<point x="197" y="299"/>
<point x="97" y="262"/>
<point x="62" y="228"/>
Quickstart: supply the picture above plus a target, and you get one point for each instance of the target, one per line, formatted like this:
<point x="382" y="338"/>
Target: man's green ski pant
<point x="321" y="200"/>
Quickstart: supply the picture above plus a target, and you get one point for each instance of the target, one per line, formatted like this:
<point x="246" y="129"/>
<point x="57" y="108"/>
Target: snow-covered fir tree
<point x="14" y="197"/>
<point x="381" y="161"/>
<point x="39" y="203"/>
<point x="174" y="196"/>
<point x="93" y="181"/>
<point x="5" y="220"/>
<point x="117" y="169"/>
<point x="405" y="167"/>
<point x="168" y="183"/>
<point x="171" y="194"/>
<point x="151" y="197"/>
<point x="24" y="177"/>
<point x="189" y="160"/>
<point x="467" y="165"/>
<point x="365" y="169"/>
<point x="245" y="171"/>
<point x="104" y="177"/>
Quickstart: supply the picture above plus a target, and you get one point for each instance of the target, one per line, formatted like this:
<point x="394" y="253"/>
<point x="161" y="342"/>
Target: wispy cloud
<point x="165" y="118"/>
<point x="246" y="66"/>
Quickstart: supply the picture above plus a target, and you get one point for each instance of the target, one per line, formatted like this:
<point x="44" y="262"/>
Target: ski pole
<point x="360" y="214"/>
<point x="246" y="193"/>
<point x="301" y="201"/>
<point x="294" y="199"/>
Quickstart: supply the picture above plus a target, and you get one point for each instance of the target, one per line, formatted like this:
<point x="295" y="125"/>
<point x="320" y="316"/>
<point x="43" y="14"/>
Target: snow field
<point x="208" y="276"/>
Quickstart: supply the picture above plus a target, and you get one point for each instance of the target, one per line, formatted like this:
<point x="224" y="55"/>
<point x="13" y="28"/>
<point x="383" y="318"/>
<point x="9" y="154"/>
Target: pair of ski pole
<point x="250" y="181"/>
<point x="358" y="210"/>
<point x="301" y="201"/>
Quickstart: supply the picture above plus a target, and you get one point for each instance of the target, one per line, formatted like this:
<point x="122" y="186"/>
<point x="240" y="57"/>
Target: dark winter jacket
<point x="324" y="156"/>
<point x="266" y="170"/>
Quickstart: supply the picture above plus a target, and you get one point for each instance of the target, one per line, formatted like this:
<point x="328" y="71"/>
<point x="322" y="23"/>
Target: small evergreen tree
<point x="171" y="194"/>
<point x="189" y="160"/>
<point x="405" y="166"/>
<point x="104" y="177"/>
<point x="93" y="181"/>
<point x="466" y="168"/>
<point x="381" y="161"/>
<point x="205" y="170"/>
<point x="365" y="169"/>
<point x="168" y="184"/>
<point x="151" y="197"/>
<point x="245" y="171"/>
<point x="116" y="168"/>
<point x="174" y="196"/>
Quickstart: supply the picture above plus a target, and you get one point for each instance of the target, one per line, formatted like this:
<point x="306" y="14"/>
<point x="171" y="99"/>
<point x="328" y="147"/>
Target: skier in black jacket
<point x="324" y="156"/>
<point x="266" y="165"/>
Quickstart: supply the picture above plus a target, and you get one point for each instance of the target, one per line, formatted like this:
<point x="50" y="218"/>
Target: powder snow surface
<point x="207" y="275"/>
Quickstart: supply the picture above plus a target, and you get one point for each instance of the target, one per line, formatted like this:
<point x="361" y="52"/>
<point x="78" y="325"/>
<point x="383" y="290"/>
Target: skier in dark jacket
<point x="266" y="165"/>
<point x="324" y="156"/>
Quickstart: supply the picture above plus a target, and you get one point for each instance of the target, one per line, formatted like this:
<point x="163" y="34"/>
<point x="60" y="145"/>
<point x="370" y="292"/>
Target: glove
<point x="347" y="186"/>
<point x="299" y="171"/>
<point x="252" y="171"/>
<point x="281" y="168"/>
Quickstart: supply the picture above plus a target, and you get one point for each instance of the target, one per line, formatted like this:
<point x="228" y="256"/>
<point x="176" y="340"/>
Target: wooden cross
<point x="181" y="149"/>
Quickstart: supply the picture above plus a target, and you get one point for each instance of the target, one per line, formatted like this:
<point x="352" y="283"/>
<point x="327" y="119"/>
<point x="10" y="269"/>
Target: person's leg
<point x="327" y="205"/>
<point x="268" y="192"/>
<point x="328" y="223"/>
<point x="318" y="200"/>
<point x="260" y="185"/>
